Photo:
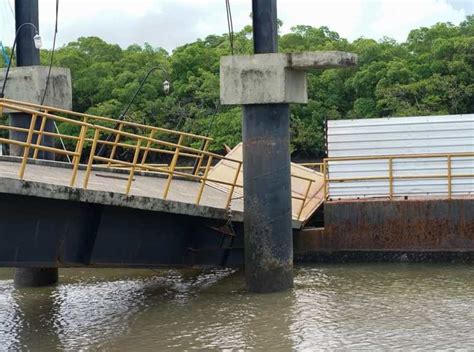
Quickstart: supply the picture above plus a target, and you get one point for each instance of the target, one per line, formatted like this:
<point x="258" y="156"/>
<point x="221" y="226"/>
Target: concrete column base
<point x="35" y="277"/>
<point x="23" y="121"/>
<point x="267" y="200"/>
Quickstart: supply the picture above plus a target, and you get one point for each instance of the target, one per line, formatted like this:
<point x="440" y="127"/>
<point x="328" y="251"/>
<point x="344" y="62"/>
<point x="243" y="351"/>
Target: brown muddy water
<point x="332" y="307"/>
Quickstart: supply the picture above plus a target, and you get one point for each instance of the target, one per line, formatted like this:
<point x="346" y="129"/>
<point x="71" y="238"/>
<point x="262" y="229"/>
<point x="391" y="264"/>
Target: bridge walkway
<point x="143" y="167"/>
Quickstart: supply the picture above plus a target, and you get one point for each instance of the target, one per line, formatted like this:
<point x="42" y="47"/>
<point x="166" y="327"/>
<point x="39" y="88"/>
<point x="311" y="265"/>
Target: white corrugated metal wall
<point x="401" y="135"/>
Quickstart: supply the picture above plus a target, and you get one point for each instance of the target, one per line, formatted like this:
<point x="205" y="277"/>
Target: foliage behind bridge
<point x="431" y="73"/>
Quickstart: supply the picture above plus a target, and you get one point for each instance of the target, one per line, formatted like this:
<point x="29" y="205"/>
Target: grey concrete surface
<point x="108" y="188"/>
<point x="28" y="83"/>
<point x="50" y="179"/>
<point x="274" y="78"/>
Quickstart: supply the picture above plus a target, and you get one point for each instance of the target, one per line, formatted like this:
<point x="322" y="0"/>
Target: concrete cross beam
<point x="274" y="78"/>
<point x="27" y="83"/>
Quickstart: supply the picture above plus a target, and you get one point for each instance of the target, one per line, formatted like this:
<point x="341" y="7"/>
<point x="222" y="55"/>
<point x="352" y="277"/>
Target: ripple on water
<point x="384" y="306"/>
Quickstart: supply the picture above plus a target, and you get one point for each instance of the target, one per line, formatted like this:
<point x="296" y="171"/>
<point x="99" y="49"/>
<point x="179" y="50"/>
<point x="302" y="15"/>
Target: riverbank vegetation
<point x="431" y="73"/>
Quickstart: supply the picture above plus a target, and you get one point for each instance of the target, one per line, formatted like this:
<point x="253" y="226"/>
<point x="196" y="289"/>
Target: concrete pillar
<point x="26" y="11"/>
<point x="267" y="183"/>
<point x="267" y="198"/>
<point x="35" y="277"/>
<point x="23" y="121"/>
<point x="265" y="83"/>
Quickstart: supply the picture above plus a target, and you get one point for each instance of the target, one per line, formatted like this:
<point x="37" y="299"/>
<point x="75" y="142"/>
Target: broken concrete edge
<point x="274" y="78"/>
<point x="321" y="60"/>
<point x="294" y="61"/>
<point x="27" y="83"/>
<point x="45" y="190"/>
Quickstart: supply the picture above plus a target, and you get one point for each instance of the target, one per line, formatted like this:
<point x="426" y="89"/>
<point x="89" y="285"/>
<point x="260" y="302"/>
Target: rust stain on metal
<point x="405" y="225"/>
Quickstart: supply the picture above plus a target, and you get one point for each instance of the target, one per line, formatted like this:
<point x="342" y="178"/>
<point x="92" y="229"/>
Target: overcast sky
<point x="170" y="23"/>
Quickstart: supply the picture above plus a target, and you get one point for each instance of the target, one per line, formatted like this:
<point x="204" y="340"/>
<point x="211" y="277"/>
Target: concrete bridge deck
<point x="46" y="223"/>
<point x="131" y="212"/>
<point x="49" y="179"/>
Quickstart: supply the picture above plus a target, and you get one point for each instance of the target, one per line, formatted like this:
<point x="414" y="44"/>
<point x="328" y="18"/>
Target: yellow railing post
<point x="91" y="157"/>
<point x="40" y="136"/>
<point x="114" y="146"/>
<point x="134" y="164"/>
<point x="304" y="200"/>
<point x="172" y="166"/>
<point x="234" y="182"/>
<point x="450" y="187"/>
<point x="201" y="157"/>
<point x="26" y="150"/>
<point x="148" y="145"/>
<point x="204" y="179"/>
<point x="325" y="179"/>
<point x="77" y="158"/>
<point x="390" y="176"/>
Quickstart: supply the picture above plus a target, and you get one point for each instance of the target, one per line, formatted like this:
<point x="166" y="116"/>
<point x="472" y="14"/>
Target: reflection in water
<point x="332" y="307"/>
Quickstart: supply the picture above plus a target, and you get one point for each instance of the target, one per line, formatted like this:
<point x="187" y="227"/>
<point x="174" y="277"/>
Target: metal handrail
<point x="102" y="118"/>
<point x="319" y="165"/>
<point x="390" y="173"/>
<point x="141" y="144"/>
<point x="114" y="131"/>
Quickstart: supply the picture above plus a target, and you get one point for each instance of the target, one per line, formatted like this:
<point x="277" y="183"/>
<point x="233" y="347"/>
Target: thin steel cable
<point x="11" y="8"/>
<point x="230" y="25"/>
<point x="49" y="77"/>
<point x="52" y="54"/>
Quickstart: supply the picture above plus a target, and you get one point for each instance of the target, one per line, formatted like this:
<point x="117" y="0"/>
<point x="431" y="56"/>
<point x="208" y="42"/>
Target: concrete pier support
<point x="26" y="11"/>
<point x="264" y="84"/>
<point x="267" y="180"/>
<point x="267" y="200"/>
<point x="35" y="277"/>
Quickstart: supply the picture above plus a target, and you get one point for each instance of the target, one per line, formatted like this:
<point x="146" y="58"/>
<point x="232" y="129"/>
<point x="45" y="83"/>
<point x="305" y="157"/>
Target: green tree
<point x="431" y="73"/>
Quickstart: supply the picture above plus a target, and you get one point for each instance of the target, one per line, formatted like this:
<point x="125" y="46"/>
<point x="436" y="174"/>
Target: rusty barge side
<point x="391" y="230"/>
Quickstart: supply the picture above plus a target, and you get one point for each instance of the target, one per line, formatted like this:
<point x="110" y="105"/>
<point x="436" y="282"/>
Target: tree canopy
<point x="431" y="73"/>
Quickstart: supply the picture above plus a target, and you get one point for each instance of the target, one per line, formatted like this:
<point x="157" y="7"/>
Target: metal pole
<point x="26" y="11"/>
<point x="267" y="176"/>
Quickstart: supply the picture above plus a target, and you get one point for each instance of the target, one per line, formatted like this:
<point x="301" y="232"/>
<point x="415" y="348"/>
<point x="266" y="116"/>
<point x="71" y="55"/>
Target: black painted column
<point x="267" y="176"/>
<point x="26" y="11"/>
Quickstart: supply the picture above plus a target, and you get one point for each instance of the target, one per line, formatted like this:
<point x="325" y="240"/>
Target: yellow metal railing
<point x="90" y="130"/>
<point x="155" y="133"/>
<point x="391" y="177"/>
<point x="90" y="134"/>
<point x="319" y="167"/>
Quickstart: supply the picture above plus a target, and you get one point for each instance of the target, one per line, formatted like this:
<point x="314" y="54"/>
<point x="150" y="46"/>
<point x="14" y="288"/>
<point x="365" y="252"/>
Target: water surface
<point x="381" y="306"/>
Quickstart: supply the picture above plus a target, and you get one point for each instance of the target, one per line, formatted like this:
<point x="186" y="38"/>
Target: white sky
<point x="170" y="23"/>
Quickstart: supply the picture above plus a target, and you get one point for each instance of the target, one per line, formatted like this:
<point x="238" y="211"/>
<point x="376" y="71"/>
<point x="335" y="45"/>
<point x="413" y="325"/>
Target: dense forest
<point x="431" y="73"/>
